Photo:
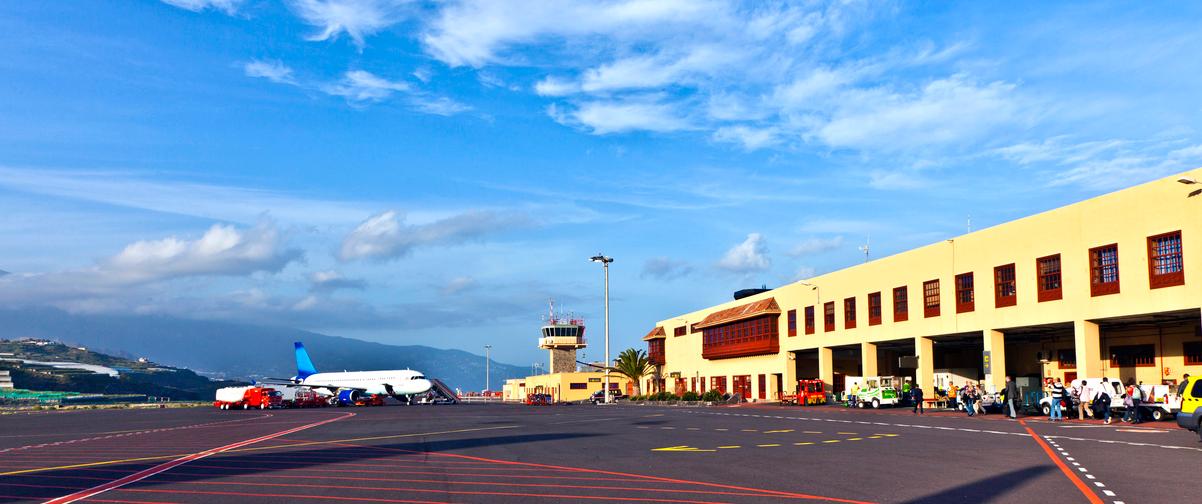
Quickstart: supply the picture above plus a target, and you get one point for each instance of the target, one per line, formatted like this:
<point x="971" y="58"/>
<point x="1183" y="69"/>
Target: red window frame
<point x="849" y="313"/>
<point x="718" y="383"/>
<point x="1166" y="261"/>
<point x="965" y="296"/>
<point x="655" y="351"/>
<point x="901" y="304"/>
<point x="752" y="336"/>
<point x="1133" y="356"/>
<point x="809" y="319"/>
<point x="1104" y="270"/>
<point x="792" y="322"/>
<point x="930" y="298"/>
<point x="1005" y="286"/>
<point x="828" y="316"/>
<point x="680" y="331"/>
<point x="763" y="388"/>
<point x="1066" y="358"/>
<point x="874" y="308"/>
<point x="1192" y="350"/>
<point x="1049" y="278"/>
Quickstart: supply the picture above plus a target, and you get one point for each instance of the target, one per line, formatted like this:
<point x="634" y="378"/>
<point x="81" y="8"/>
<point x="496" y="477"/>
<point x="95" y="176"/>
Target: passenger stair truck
<point x="247" y="398"/>
<point x="875" y="391"/>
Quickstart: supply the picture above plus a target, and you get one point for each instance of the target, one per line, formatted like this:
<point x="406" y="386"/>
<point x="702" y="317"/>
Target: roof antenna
<point x="864" y="248"/>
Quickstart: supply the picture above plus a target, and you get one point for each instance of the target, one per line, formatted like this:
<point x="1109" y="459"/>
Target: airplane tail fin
<point x="304" y="366"/>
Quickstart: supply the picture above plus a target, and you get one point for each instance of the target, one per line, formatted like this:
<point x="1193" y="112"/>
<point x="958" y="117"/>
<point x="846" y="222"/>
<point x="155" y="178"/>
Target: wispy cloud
<point x="359" y="86"/>
<point x="458" y="285"/>
<point x="274" y="71"/>
<point x="386" y="236"/>
<point x="816" y="246"/>
<point x="358" y="19"/>
<point x="330" y="281"/>
<point x="665" y="268"/>
<point x="226" y="6"/>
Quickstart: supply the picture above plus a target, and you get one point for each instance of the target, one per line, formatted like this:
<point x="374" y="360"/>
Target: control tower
<point x="562" y="336"/>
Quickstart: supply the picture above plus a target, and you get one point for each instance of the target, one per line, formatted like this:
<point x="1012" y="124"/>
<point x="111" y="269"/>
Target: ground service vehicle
<point x="1190" y="416"/>
<point x="810" y="392"/>
<point x="539" y="399"/>
<point x="247" y="398"/>
<point x="877" y="391"/>
<point x="614" y="395"/>
<point x="371" y="400"/>
<point x="1159" y="405"/>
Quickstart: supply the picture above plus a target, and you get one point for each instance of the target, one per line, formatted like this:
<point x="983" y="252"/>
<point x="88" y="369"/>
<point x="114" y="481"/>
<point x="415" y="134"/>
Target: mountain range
<point x="243" y="351"/>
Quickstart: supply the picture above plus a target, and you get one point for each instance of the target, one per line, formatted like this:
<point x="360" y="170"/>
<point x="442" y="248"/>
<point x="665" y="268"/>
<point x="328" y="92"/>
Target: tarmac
<point x="585" y="453"/>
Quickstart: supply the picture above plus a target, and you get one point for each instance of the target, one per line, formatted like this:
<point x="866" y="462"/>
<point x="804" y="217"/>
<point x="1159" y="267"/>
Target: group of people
<point x="1094" y="400"/>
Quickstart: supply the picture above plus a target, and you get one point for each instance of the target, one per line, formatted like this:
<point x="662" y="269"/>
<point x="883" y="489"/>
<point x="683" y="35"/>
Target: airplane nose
<point x="426" y="385"/>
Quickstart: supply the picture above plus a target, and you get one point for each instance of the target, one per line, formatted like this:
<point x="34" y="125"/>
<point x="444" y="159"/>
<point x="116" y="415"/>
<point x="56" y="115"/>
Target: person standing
<point x="970" y="404"/>
<point x="1010" y="396"/>
<point x="1181" y="386"/>
<point x="916" y="394"/>
<point x="1137" y="397"/>
<point x="1057" y="397"/>
<point x="1085" y="398"/>
<point x="1128" y="392"/>
<point x="1101" y="403"/>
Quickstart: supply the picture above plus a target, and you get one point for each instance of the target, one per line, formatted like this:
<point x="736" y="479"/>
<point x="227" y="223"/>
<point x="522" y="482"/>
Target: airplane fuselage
<point x="402" y="382"/>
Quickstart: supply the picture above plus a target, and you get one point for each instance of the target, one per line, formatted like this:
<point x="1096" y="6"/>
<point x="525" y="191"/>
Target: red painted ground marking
<point x="447" y="482"/>
<point x="131" y="502"/>
<point x="516" y="476"/>
<point x="614" y="473"/>
<point x="453" y="492"/>
<point x="1085" y="490"/>
<point x="116" y="435"/>
<point x="293" y="496"/>
<point x="477" y="466"/>
<point x="146" y="473"/>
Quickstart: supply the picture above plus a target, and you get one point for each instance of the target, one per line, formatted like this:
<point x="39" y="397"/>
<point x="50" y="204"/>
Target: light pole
<point x="605" y="265"/>
<point x="487" y="348"/>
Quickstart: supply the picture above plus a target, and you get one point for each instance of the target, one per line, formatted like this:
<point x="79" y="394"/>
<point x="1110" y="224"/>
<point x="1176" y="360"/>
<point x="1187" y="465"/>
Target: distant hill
<point x="134" y="377"/>
<point x="239" y="351"/>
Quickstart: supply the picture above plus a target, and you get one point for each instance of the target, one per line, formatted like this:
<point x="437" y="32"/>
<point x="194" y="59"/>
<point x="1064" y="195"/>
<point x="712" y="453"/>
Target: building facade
<point x="1107" y="287"/>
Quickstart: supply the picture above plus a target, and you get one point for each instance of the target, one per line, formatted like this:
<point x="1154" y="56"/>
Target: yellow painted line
<point x="667" y="428"/>
<point x="846" y="433"/>
<point x="728" y="447"/>
<point x="692" y="428"/>
<point x="723" y="430"/>
<point x="750" y="430"/>
<point x="812" y="432"/>
<point x="803" y="444"/>
<point x="854" y="439"/>
<point x="776" y="431"/>
<point x="874" y="437"/>
<point x="653" y="416"/>
<point x="831" y="441"/>
<point x="643" y="427"/>
<point x="259" y="448"/>
<point x="767" y="445"/>
<point x="889" y="435"/>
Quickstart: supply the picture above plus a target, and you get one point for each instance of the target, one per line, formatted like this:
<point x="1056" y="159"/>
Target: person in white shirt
<point x="1085" y="397"/>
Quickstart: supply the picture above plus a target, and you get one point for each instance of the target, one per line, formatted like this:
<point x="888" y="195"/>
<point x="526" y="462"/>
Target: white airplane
<point x="347" y="386"/>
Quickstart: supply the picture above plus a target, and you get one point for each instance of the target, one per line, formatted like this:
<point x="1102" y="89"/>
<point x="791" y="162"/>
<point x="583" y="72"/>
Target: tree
<point x="633" y="364"/>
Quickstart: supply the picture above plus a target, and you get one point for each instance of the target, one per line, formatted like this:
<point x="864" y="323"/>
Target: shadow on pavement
<point x="990" y="489"/>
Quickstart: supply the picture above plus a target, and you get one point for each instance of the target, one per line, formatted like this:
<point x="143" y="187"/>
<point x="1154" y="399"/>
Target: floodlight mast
<point x="600" y="258"/>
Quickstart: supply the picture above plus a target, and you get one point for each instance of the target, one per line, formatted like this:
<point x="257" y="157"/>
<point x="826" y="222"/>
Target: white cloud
<point x="554" y="86"/>
<point x="442" y="106"/>
<point x="816" y="246"/>
<point x="357" y="18"/>
<point x="226" y="6"/>
<point x="945" y="111"/>
<point x="223" y="250"/>
<point x="458" y="284"/>
<point x="747" y="257"/>
<point x="329" y="281"/>
<point x="361" y="86"/>
<point x="274" y="71"/>
<point x="750" y="138"/>
<point x="803" y="273"/>
<point x="386" y="236"/>
<point x="603" y="117"/>
<point x="664" y="268"/>
<point x="1191" y="154"/>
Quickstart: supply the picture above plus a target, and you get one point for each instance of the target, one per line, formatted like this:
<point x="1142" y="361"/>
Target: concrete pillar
<point x="826" y="367"/>
<point x="995" y="348"/>
<point x="773" y="385"/>
<point x="790" y="375"/>
<point x="1088" y="342"/>
<point x="924" y="348"/>
<point x="868" y="359"/>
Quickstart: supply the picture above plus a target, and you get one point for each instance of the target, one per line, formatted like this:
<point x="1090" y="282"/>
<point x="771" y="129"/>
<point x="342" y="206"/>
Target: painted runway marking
<point x="146" y="473"/>
<point x="121" y="434"/>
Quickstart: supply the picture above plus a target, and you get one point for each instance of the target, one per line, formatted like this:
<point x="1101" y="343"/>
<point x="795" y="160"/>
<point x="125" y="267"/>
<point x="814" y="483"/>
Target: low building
<point x="6" y="380"/>
<point x="563" y="387"/>
<point x="1107" y="287"/>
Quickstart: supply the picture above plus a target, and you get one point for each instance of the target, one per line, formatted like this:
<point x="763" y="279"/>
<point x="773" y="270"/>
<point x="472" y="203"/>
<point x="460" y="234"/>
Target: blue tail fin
<point x="304" y="366"/>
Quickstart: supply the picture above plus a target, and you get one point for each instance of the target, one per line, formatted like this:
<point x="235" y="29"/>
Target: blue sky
<point x="433" y="172"/>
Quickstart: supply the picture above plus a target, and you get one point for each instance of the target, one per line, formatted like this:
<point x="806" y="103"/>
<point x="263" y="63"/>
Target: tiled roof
<point x="761" y="307"/>
<point x="656" y="333"/>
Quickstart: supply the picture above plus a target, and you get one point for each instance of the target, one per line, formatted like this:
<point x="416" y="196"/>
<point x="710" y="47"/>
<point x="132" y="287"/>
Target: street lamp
<point x="486" y="369"/>
<point x="599" y="258"/>
<point x="813" y="288"/>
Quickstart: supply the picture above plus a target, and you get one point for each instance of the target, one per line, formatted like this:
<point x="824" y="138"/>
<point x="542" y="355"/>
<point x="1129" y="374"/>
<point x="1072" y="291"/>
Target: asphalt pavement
<point x="585" y="453"/>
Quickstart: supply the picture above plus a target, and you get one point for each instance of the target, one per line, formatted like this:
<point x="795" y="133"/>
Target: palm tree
<point x="633" y="364"/>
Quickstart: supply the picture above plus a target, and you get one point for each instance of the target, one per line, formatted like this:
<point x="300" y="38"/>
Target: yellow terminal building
<point x="1107" y="287"/>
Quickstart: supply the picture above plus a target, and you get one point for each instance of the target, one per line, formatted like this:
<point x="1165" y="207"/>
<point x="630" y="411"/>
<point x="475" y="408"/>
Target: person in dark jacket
<point x="916" y="395"/>
<point x="1181" y="386"/>
<point x="1010" y="398"/>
